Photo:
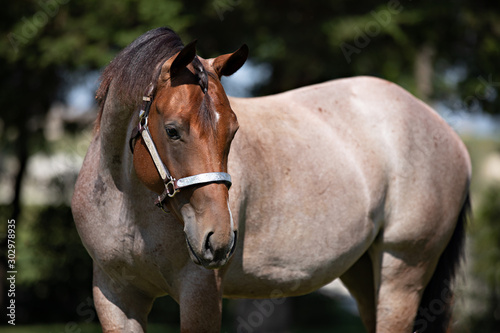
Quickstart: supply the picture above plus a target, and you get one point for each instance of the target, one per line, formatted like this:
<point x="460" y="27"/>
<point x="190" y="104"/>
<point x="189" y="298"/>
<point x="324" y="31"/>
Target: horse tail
<point x="434" y="312"/>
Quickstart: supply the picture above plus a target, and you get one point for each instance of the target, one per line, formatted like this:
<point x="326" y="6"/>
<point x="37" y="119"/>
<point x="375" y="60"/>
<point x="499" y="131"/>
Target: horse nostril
<point x="208" y="246"/>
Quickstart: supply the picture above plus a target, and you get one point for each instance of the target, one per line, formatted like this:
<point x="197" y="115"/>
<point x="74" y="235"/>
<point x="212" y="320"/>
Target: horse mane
<point x="133" y="69"/>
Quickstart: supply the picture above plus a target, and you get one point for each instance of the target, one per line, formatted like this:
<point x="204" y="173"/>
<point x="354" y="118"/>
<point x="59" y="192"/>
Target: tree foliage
<point x="305" y="42"/>
<point x="437" y="50"/>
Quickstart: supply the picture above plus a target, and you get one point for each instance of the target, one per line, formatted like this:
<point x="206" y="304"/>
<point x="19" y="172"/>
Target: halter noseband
<point x="172" y="185"/>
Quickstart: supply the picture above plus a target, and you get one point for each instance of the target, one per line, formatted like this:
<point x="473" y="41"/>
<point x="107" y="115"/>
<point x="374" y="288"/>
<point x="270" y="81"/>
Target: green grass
<point x="53" y="328"/>
<point x="152" y="328"/>
<point x="76" y="328"/>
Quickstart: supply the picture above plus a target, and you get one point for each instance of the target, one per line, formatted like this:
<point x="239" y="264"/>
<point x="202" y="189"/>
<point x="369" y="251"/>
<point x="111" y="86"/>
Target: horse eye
<point x="172" y="133"/>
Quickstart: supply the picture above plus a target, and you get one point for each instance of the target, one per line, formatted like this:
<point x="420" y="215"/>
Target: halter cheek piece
<point x="172" y="185"/>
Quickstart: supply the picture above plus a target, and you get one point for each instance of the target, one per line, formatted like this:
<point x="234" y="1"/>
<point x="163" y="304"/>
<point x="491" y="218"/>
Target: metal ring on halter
<point x="174" y="189"/>
<point x="143" y="122"/>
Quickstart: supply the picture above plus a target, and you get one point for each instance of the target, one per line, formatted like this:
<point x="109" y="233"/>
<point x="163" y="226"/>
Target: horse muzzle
<point x="210" y="247"/>
<point x="211" y="257"/>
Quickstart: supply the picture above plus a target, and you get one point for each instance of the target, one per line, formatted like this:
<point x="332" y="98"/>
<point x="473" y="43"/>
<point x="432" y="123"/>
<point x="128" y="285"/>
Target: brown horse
<point x="353" y="179"/>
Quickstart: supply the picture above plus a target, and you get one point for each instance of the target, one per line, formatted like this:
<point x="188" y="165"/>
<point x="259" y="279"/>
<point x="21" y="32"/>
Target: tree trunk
<point x="22" y="156"/>
<point x="424" y="71"/>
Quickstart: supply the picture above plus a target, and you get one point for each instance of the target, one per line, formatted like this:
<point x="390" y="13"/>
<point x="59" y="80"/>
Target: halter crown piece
<point x="172" y="185"/>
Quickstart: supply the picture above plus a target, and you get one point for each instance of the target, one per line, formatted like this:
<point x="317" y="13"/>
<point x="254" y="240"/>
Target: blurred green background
<point x="51" y="51"/>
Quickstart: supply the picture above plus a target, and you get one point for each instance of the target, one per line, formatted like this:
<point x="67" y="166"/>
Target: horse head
<point x="192" y="125"/>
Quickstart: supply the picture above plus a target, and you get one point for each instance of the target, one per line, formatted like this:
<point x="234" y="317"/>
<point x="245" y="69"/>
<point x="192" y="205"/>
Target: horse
<point x="266" y="197"/>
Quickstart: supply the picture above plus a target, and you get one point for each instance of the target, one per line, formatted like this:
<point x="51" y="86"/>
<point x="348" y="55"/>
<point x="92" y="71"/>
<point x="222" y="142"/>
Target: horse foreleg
<point x="200" y="301"/>
<point x="120" y="306"/>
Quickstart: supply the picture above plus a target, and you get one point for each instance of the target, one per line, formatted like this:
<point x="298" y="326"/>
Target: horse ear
<point x="173" y="66"/>
<point x="228" y="64"/>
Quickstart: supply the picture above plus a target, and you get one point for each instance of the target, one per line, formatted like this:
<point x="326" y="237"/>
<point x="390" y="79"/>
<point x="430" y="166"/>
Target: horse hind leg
<point x="399" y="292"/>
<point x="414" y="292"/>
<point x="359" y="281"/>
<point x="434" y="313"/>
<point x="385" y="302"/>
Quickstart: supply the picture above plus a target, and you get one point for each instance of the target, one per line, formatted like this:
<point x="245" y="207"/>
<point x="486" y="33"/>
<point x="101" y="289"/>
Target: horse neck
<point x="117" y="123"/>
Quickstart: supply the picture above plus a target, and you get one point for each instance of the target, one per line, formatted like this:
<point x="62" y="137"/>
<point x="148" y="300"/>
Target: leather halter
<point x="172" y="185"/>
